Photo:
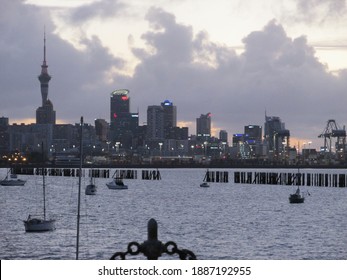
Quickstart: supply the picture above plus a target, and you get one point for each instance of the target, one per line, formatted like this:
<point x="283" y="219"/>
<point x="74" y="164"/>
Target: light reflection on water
<point x="225" y="221"/>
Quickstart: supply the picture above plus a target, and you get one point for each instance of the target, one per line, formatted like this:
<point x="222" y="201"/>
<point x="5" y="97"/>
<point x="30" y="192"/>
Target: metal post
<point x="152" y="248"/>
<point x="79" y="189"/>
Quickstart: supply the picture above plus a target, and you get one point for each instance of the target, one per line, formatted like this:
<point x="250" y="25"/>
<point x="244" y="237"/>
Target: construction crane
<point x="332" y="130"/>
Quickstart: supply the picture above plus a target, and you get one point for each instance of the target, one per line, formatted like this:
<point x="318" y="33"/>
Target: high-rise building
<point x="275" y="134"/>
<point x="155" y="122"/>
<point x="120" y="108"/>
<point x="4" y="135"/>
<point x="252" y="141"/>
<point x="223" y="136"/>
<point x="101" y="129"/>
<point x="272" y="126"/>
<point x="254" y="133"/>
<point x="45" y="114"/>
<point x="170" y="117"/>
<point x="203" y="127"/>
<point x="120" y="103"/>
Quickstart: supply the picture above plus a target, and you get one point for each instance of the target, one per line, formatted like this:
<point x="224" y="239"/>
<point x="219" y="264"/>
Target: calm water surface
<point x="225" y="221"/>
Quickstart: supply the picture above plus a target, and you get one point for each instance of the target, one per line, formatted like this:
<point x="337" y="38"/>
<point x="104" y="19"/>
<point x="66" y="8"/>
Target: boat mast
<point x="79" y="188"/>
<point x="43" y="184"/>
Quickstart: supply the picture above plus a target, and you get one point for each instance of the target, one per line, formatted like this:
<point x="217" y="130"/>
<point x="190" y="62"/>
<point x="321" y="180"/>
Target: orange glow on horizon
<point x="31" y="121"/>
<point x="302" y="143"/>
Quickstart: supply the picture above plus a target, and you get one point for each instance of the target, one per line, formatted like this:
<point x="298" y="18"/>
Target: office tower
<point x="120" y="103"/>
<point x="131" y="125"/>
<point x="120" y="108"/>
<point x="272" y="126"/>
<point x="238" y="139"/>
<point x="223" y="136"/>
<point x="275" y="134"/>
<point x="101" y="129"/>
<point x="203" y="127"/>
<point x="155" y="122"/>
<point x="45" y="114"/>
<point x="4" y="135"/>
<point x="254" y="133"/>
<point x="123" y="124"/>
<point x="4" y="123"/>
<point x="170" y="117"/>
<point x="252" y="141"/>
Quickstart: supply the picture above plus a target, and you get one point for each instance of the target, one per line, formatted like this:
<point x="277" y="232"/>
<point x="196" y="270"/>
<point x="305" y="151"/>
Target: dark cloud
<point x="78" y="77"/>
<point x="275" y="73"/>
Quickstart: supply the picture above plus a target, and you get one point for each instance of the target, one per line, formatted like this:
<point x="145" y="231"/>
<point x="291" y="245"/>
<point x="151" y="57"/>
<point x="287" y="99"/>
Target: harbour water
<point x="225" y="221"/>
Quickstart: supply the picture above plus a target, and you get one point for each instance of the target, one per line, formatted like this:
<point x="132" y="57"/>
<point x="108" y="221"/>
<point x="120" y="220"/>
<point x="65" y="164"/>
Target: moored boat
<point x="296" y="197"/>
<point x="91" y="188"/>
<point x="117" y="184"/>
<point x="12" y="182"/>
<point x="37" y="224"/>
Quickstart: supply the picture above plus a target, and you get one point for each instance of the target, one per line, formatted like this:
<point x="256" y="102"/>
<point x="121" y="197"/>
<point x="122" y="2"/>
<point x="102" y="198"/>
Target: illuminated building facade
<point x="276" y="136"/>
<point x="155" y="122"/>
<point x="123" y="124"/>
<point x="203" y="127"/>
<point x="170" y="117"/>
<point x="120" y="104"/>
<point x="254" y="133"/>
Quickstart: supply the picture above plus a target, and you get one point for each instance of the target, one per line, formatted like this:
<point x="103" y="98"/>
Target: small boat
<point x="117" y="184"/>
<point x="12" y="182"/>
<point x="91" y="188"/>
<point x="207" y="179"/>
<point x="40" y="224"/>
<point x="37" y="224"/>
<point x="296" y="197"/>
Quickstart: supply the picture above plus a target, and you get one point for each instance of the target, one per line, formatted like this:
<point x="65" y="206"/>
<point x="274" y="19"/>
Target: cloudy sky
<point x="234" y="58"/>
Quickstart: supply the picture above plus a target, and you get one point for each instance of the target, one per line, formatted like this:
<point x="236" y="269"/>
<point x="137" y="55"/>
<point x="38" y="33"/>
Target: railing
<point x="154" y="248"/>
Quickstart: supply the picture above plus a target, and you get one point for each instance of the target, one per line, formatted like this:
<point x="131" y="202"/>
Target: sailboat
<point x="117" y="184"/>
<point x="296" y="197"/>
<point x="207" y="179"/>
<point x="91" y="187"/>
<point x="39" y="224"/>
<point x="14" y="181"/>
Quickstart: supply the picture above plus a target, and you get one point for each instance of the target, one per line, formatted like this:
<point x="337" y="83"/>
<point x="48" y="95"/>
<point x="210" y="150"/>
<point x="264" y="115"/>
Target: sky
<point x="237" y="59"/>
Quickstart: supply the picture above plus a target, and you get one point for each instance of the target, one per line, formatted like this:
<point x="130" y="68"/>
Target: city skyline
<point x="267" y="65"/>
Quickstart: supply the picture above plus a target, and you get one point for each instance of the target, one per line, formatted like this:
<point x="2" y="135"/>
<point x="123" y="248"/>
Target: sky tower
<point x="44" y="77"/>
<point x="45" y="114"/>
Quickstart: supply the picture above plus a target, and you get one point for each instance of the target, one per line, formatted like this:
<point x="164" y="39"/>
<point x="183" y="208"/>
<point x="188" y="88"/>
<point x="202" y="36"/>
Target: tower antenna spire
<point x="44" y="45"/>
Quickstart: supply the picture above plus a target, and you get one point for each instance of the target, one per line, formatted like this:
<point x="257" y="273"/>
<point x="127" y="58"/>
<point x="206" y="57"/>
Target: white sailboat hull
<point x="38" y="225"/>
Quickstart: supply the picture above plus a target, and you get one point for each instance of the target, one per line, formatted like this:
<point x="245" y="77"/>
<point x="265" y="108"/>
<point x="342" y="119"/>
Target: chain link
<point x="153" y="248"/>
<point x="169" y="248"/>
